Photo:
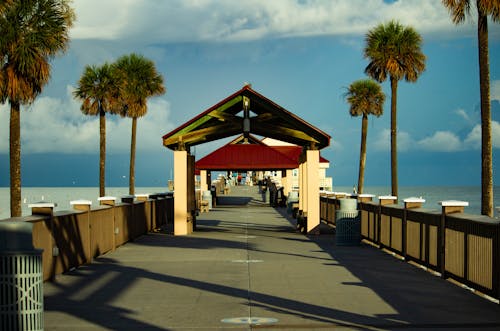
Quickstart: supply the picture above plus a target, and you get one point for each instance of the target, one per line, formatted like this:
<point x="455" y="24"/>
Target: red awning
<point x="246" y="157"/>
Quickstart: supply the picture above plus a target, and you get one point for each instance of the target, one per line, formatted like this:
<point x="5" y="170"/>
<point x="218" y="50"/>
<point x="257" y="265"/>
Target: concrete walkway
<point x="246" y="268"/>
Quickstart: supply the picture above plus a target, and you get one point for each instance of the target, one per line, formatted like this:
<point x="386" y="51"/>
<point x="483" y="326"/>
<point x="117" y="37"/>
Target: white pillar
<point x="312" y="189"/>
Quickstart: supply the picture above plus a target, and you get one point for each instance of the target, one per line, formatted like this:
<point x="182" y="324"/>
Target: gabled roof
<point x="253" y="155"/>
<point x="266" y="119"/>
<point x="250" y="140"/>
<point x="246" y="157"/>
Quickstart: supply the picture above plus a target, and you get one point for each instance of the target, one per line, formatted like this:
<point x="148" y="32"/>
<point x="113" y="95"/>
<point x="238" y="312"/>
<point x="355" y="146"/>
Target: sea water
<point x="63" y="195"/>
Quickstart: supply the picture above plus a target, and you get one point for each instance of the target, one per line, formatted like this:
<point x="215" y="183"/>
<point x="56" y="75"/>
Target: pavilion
<point x="246" y="112"/>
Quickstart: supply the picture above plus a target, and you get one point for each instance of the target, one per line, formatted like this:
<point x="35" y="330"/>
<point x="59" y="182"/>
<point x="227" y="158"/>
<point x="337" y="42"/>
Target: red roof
<point x="246" y="157"/>
<point x="293" y="152"/>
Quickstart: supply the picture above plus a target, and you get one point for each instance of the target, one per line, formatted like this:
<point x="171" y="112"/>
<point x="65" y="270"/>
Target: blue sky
<point x="300" y="54"/>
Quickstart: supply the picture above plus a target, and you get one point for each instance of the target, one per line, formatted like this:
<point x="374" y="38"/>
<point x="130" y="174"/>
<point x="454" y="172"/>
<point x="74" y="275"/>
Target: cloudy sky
<point x="302" y="54"/>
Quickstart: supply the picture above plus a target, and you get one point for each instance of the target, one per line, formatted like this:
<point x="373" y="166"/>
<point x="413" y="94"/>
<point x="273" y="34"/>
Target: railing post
<point x="42" y="208"/>
<point x="84" y="206"/>
<point x="365" y="197"/>
<point x="110" y="201"/>
<point x="107" y="201"/>
<point x="410" y="203"/>
<point x="81" y="205"/>
<point x="447" y="207"/>
<point x="382" y="201"/>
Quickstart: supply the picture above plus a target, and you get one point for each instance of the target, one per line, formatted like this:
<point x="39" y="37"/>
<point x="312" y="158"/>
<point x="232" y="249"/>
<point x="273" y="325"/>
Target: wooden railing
<point x="459" y="246"/>
<point x="72" y="238"/>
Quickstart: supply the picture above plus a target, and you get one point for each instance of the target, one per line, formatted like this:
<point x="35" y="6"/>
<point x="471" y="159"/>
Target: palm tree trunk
<point x="102" y="153"/>
<point x="362" y="153"/>
<point x="131" y="188"/>
<point x="15" y="159"/>
<point x="394" y="132"/>
<point x="486" y="148"/>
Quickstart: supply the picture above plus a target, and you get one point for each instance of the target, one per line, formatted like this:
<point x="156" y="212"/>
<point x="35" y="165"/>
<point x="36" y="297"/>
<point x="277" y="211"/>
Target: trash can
<point x="348" y="224"/>
<point x="21" y="278"/>
<point x="207" y="195"/>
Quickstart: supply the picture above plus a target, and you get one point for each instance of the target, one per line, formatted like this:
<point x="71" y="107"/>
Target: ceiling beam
<point x="200" y="135"/>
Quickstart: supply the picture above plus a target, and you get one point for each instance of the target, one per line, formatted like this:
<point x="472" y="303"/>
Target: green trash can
<point x="21" y="278"/>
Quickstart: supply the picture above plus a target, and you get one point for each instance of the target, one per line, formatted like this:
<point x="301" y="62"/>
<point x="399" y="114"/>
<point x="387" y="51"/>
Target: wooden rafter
<point x="270" y="120"/>
<point x="200" y="135"/>
<point x="266" y="129"/>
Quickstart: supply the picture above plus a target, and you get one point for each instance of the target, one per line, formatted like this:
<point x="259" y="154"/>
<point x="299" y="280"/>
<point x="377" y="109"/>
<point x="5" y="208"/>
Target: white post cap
<point x="366" y="195"/>
<point x="141" y="195"/>
<point x="81" y="202"/>
<point x="387" y="197"/>
<point x="414" y="200"/>
<point x="42" y="205"/>
<point x="453" y="203"/>
<point x="106" y="199"/>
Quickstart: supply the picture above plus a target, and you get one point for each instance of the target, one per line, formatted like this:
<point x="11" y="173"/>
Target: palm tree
<point x="97" y="91"/>
<point x="32" y="32"/>
<point x="485" y="8"/>
<point x="395" y="51"/>
<point x="138" y="80"/>
<point x="365" y="97"/>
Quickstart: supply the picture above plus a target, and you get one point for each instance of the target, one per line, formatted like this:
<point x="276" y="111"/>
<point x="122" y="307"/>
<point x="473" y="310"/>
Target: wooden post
<point x="107" y="201"/>
<point x="82" y="205"/>
<point x="410" y="203"/>
<point x="447" y="207"/>
<point x="42" y="208"/>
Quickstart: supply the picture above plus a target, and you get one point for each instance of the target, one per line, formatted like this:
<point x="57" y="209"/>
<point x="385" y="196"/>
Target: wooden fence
<point x="73" y="238"/>
<point x="460" y="246"/>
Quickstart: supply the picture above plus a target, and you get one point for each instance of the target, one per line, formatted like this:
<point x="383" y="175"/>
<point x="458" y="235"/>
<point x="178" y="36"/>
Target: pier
<point x="247" y="267"/>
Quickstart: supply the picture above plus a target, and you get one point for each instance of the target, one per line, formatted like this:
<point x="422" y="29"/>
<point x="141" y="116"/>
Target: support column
<point x="304" y="184"/>
<point x="181" y="226"/>
<point x="203" y="180"/>
<point x="286" y="181"/>
<point x="191" y="194"/>
<point x="301" y="185"/>
<point x="312" y="189"/>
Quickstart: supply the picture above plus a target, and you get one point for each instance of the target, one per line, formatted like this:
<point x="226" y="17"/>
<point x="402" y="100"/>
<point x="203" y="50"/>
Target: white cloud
<point x="228" y="20"/>
<point x="441" y="141"/>
<point x="463" y="114"/>
<point x="473" y="139"/>
<point x="58" y="126"/>
<point x="495" y="90"/>
<point x="383" y="141"/>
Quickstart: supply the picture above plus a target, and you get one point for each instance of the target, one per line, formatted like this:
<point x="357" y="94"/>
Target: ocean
<point x="63" y="195"/>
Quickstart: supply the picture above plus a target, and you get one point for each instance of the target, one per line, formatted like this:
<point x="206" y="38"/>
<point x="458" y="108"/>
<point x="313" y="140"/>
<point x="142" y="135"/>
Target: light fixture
<point x="246" y="117"/>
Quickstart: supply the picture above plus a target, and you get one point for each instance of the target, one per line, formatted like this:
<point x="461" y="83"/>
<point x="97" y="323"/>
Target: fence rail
<point x="73" y="238"/>
<point x="459" y="246"/>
